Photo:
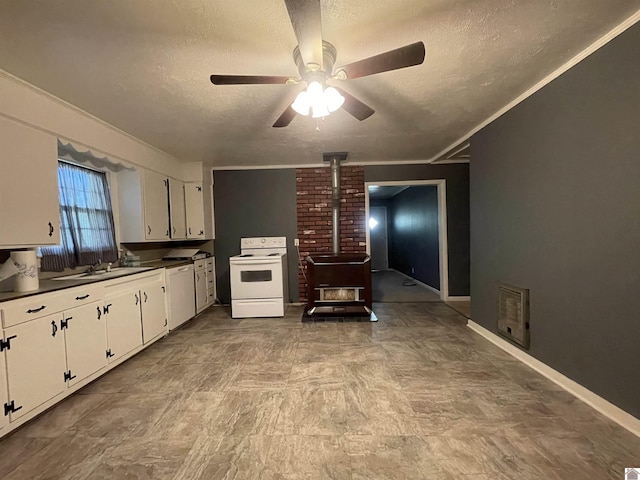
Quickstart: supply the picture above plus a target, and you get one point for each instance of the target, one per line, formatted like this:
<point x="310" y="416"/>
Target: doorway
<point x="378" y="240"/>
<point x="377" y="222"/>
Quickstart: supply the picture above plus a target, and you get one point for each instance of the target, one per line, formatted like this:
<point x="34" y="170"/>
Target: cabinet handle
<point x="106" y="308"/>
<point x="36" y="310"/>
<point x="137" y="299"/>
<point x="174" y="231"/>
<point x="167" y="233"/>
<point x="54" y="328"/>
<point x="165" y="322"/>
<point x="145" y="297"/>
<point x="50" y="229"/>
<point x="163" y="289"/>
<point x="199" y="188"/>
<point x="83" y="297"/>
<point x="197" y="277"/>
<point x="189" y="230"/>
<point x="99" y="312"/>
<point x="201" y="232"/>
<point x="149" y="229"/>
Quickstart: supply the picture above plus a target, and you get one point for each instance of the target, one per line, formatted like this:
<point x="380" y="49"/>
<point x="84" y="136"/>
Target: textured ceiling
<point x="144" y="66"/>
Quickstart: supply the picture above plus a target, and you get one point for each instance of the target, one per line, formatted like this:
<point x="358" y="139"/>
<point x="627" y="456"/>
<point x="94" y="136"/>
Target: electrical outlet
<point x="296" y="242"/>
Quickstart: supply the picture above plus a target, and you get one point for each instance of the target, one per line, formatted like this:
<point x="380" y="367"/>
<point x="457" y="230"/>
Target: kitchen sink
<point x="103" y="274"/>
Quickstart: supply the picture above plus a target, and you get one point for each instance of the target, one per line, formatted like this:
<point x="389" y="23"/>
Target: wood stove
<point x="339" y="285"/>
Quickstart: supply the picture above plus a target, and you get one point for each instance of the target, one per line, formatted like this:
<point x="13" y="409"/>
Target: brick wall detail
<point x="313" y="202"/>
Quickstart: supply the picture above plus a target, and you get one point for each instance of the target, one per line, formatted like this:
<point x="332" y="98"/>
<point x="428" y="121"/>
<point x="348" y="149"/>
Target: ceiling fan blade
<point x="247" y="80"/>
<point x="402" y="57"/>
<point x="354" y="106"/>
<point x="285" y="118"/>
<point x="306" y="20"/>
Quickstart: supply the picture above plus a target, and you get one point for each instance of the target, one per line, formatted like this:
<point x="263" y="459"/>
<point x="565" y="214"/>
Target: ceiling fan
<point x="314" y="58"/>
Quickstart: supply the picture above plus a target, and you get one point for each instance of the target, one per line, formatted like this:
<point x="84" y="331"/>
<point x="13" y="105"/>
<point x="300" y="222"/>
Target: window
<point x="86" y="220"/>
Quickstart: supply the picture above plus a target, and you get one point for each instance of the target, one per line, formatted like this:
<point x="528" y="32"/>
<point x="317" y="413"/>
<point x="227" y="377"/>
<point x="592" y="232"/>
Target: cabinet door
<point x="194" y="202"/>
<point x="211" y="282"/>
<point x="86" y="340"/>
<point x="28" y="186"/>
<point x="4" y="395"/>
<point x="154" y="310"/>
<point x="201" y="290"/>
<point x="124" y="325"/>
<point x="156" y="206"/>
<point x="177" y="213"/>
<point x="35" y="363"/>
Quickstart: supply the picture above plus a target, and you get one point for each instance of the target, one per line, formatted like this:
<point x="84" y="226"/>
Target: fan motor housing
<point x="329" y="54"/>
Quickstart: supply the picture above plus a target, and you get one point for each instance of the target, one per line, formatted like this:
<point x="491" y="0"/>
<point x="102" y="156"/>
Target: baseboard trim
<point x="452" y="298"/>
<point x="428" y="287"/>
<point x="595" y="401"/>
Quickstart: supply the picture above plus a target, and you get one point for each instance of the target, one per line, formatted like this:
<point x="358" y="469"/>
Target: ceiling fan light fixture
<point x="332" y="99"/>
<point x="301" y="104"/>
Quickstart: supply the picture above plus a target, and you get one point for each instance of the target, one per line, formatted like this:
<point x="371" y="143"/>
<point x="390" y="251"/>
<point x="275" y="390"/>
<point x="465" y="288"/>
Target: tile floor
<point x="417" y="395"/>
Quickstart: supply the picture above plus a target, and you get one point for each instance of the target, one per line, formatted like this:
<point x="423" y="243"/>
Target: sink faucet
<point x="93" y="268"/>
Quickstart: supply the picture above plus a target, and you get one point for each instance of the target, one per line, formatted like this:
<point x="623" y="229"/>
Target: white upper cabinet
<point x="199" y="206"/>
<point x="29" y="208"/>
<point x="143" y="205"/>
<point x="177" y="213"/>
<point x="156" y="206"/>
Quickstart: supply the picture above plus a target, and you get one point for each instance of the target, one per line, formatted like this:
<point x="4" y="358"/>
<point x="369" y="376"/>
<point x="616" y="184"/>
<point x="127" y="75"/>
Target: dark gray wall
<point x="253" y="203"/>
<point x="457" y="181"/>
<point x="413" y="234"/>
<point x="555" y="207"/>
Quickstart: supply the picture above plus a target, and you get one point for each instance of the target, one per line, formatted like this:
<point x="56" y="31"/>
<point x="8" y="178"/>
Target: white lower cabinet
<point x="154" y="310"/>
<point x="86" y="331"/>
<point x="86" y="341"/>
<point x="4" y="393"/>
<point x="35" y="360"/>
<point x="201" y="286"/>
<point x="124" y="326"/>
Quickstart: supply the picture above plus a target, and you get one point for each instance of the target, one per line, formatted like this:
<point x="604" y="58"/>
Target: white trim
<point x="428" y="287"/>
<point x="595" y="401"/>
<point x="599" y="43"/>
<point x="459" y="299"/>
<point x="442" y="224"/>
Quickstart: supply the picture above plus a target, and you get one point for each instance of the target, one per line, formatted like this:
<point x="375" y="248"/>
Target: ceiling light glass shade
<point x="316" y="98"/>
<point x="317" y="101"/>
<point x="332" y="99"/>
<point x="302" y="104"/>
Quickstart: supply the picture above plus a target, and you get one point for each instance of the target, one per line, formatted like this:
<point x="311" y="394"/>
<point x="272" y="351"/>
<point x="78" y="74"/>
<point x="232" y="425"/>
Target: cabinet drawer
<point x="19" y="311"/>
<point x="199" y="264"/>
<point x="75" y="297"/>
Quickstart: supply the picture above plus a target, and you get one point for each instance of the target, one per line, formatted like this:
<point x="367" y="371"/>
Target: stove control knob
<point x="264" y="240"/>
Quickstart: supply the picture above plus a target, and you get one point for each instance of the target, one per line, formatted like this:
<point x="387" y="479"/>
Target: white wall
<point x="31" y="106"/>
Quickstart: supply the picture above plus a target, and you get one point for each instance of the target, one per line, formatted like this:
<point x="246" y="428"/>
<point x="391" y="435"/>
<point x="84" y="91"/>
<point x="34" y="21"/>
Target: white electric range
<point x="259" y="279"/>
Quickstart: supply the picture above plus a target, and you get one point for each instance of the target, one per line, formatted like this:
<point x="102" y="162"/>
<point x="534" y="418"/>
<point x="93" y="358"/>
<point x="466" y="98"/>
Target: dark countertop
<point x="166" y="263"/>
<point x="50" y="285"/>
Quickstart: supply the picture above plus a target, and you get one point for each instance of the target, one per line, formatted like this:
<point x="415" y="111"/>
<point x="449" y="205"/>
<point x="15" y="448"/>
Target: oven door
<point x="256" y="278"/>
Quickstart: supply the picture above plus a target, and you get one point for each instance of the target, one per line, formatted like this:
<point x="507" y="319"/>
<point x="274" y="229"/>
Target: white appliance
<point x="182" y="305"/>
<point x="259" y="279"/>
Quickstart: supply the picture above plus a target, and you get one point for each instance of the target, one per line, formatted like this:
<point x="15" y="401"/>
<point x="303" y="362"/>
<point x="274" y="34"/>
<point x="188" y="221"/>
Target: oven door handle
<point x="256" y="262"/>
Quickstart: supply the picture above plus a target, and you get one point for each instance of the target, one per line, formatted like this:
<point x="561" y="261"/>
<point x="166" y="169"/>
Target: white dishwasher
<point x="182" y="296"/>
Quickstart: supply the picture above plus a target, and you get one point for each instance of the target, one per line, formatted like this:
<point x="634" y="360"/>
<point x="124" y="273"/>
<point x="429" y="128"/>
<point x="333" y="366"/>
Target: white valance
<point x="83" y="155"/>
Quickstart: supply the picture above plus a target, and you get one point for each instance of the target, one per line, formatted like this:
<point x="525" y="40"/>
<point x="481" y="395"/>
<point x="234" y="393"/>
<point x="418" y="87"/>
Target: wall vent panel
<point x="513" y="314"/>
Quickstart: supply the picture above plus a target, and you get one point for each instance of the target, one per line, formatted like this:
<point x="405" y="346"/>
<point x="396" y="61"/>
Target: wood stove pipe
<point x="334" y="163"/>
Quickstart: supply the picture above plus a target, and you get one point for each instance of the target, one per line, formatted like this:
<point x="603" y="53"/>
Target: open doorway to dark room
<point x="406" y="240"/>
